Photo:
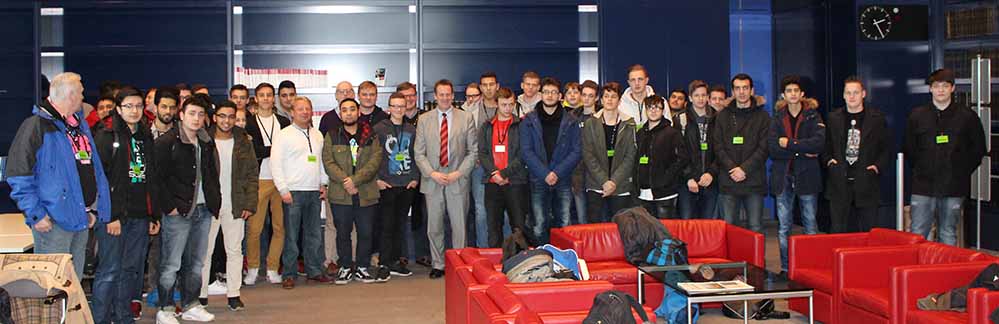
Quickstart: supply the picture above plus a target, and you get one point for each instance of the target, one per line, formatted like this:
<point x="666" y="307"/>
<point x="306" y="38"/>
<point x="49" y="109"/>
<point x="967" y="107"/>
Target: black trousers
<point x="845" y="216"/>
<point x="393" y="210"/>
<point x="505" y="200"/>
<point x="600" y="209"/>
<point x="662" y="209"/>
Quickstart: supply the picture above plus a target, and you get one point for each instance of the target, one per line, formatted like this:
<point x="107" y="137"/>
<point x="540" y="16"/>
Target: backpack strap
<point x="638" y="309"/>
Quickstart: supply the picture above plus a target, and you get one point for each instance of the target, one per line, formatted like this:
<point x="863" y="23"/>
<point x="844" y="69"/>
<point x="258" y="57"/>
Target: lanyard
<point x="482" y="106"/>
<point x="613" y="138"/>
<point x="264" y="130"/>
<point x="307" y="137"/>
<point x="398" y="138"/>
<point x="504" y="133"/>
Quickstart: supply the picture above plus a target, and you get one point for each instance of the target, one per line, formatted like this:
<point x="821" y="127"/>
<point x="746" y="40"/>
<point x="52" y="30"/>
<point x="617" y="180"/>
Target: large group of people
<point x="159" y="176"/>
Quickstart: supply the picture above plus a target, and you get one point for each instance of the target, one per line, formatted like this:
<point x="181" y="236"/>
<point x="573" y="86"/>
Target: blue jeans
<point x="302" y="216"/>
<point x="549" y="209"/>
<point x="345" y="218"/>
<point x="944" y="210"/>
<point x="119" y="270"/>
<point x="579" y="200"/>
<point x="479" y="208"/>
<point x="183" y="245"/>
<point x="58" y="240"/>
<point x="703" y="204"/>
<point x="785" y="215"/>
<point x="732" y="205"/>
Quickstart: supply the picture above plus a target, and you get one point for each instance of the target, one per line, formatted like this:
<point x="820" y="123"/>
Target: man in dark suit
<point x="858" y="148"/>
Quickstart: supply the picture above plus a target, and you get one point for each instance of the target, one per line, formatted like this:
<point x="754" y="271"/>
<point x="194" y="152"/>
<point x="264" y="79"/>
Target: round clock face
<point x="875" y="23"/>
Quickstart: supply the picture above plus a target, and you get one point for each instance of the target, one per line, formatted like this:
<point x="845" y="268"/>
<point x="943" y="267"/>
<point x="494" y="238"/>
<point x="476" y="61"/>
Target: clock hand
<point x="879" y="21"/>
<point x="879" y="30"/>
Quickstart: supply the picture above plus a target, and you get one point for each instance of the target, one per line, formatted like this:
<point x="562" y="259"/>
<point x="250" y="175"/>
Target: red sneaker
<point x="136" y="310"/>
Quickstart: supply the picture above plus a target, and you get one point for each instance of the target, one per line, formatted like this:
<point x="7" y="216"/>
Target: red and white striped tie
<point x="444" y="140"/>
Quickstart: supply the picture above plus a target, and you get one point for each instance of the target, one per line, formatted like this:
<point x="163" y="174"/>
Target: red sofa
<point x="869" y="282"/>
<point x="708" y="241"/>
<point x="810" y="262"/>
<point x="910" y="283"/>
<point x="551" y="302"/>
<point x="458" y="279"/>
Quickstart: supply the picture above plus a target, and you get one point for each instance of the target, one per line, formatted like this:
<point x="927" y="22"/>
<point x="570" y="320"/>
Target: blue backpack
<point x="668" y="252"/>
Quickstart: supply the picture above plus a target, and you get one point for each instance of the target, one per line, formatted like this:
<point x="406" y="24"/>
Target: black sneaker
<point x="362" y="275"/>
<point x="344" y="276"/>
<point x="400" y="270"/>
<point x="382" y="274"/>
<point x="235" y="304"/>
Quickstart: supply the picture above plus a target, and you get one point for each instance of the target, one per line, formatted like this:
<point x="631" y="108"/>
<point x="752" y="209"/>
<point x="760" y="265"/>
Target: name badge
<point x="83" y="155"/>
<point x="500" y="148"/>
<point x="643" y="160"/>
<point x="738" y="140"/>
<point x="943" y="139"/>
<point x="312" y="158"/>
<point x="400" y="157"/>
<point x="610" y="153"/>
<point x="704" y="146"/>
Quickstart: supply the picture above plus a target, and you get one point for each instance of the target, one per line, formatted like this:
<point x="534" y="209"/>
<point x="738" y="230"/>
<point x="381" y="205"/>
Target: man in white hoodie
<point x="638" y="89"/>
<point x="530" y="82"/>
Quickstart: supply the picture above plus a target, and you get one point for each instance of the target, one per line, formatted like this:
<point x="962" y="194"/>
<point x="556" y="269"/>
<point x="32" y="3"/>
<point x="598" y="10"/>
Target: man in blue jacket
<point x="55" y="173"/>
<point x="797" y="136"/>
<point x="551" y="148"/>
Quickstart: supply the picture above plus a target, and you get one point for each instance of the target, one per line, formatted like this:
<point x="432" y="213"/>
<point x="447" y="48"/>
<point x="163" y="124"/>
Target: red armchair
<point x="810" y="262"/>
<point x="552" y="302"/>
<point x="864" y="283"/>
<point x="708" y="241"/>
<point x="458" y="267"/>
<point x="910" y="283"/>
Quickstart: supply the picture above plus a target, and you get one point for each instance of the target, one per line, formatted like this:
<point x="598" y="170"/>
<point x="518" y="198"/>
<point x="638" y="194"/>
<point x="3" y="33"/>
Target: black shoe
<point x="235" y="304"/>
<point x="424" y="261"/>
<point x="436" y="273"/>
<point x="382" y="274"/>
<point x="782" y="276"/>
<point x="400" y="270"/>
<point x="203" y="301"/>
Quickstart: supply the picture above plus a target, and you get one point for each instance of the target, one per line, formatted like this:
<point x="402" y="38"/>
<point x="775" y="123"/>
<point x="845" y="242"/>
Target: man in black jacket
<point x="189" y="197"/>
<point x="740" y="141"/>
<point x="663" y="156"/>
<point x="945" y="142"/>
<point x="858" y="148"/>
<point x="698" y="192"/>
<point x="504" y="172"/>
<point x="262" y="127"/>
<point x="129" y="165"/>
<point x="797" y="136"/>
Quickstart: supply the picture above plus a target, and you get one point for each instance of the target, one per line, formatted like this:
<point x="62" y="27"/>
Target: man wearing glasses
<point x="331" y="119"/>
<point x="551" y="149"/>
<point x="632" y="101"/>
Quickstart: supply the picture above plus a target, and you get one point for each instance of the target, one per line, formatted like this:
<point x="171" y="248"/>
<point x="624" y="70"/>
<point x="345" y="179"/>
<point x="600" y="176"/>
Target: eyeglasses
<point x="550" y="92"/>
<point x="473" y="95"/>
<point x="131" y="107"/>
<point x="655" y="107"/>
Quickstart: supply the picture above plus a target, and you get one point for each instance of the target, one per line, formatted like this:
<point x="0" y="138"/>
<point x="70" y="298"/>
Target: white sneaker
<point x="251" y="276"/>
<point x="165" y="317"/>
<point x="217" y="288"/>
<point x="273" y="277"/>
<point x="197" y="314"/>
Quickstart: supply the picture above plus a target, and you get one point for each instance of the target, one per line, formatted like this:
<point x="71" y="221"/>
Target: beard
<point x="350" y="123"/>
<point x="167" y="119"/>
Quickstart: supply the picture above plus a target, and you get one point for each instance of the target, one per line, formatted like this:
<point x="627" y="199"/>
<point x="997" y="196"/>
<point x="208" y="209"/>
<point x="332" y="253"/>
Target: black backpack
<point x="640" y="232"/>
<point x="614" y="307"/>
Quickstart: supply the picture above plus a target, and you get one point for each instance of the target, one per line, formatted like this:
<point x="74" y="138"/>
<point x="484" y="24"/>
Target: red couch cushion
<point x="505" y="300"/>
<point x="820" y="279"/>
<point x="936" y="253"/>
<point x="936" y="317"/>
<point x="485" y="273"/>
<point x="704" y="237"/>
<point x="874" y="300"/>
<point x="883" y="236"/>
<point x="616" y="272"/>
<point x="600" y="242"/>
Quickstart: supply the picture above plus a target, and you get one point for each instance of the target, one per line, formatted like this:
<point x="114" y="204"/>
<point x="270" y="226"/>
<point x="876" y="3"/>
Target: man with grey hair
<point x="76" y="193"/>
<point x="331" y="119"/>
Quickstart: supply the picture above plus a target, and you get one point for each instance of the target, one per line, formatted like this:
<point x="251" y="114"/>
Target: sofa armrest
<point x="563" y="296"/>
<point x="816" y="251"/>
<point x="495" y="255"/>
<point x="912" y="282"/>
<point x="745" y="245"/>
<point x="481" y="308"/>
<point x="869" y="267"/>
<point x="564" y="240"/>
<point x="981" y="304"/>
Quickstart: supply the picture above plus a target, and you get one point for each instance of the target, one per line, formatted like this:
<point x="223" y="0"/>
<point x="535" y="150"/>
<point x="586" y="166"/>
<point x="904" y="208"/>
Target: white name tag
<point x="500" y="148"/>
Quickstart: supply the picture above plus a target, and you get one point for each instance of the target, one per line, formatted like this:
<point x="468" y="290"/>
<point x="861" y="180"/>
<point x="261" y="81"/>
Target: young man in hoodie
<point x="352" y="157"/>
<point x="190" y="198"/>
<point x="531" y="84"/>
<point x="505" y="176"/>
<point x="609" y="155"/>
<point x="397" y="181"/>
<point x="127" y="146"/>
<point x="797" y="136"/>
<point x="238" y="171"/>
<point x="717" y="97"/>
<point x="945" y="142"/>
<point x="698" y="192"/>
<point x="662" y="159"/>
<point x="633" y="99"/>
<point x="550" y="148"/>
<point x="740" y="140"/>
<point x="859" y="146"/>
<point x="369" y="113"/>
